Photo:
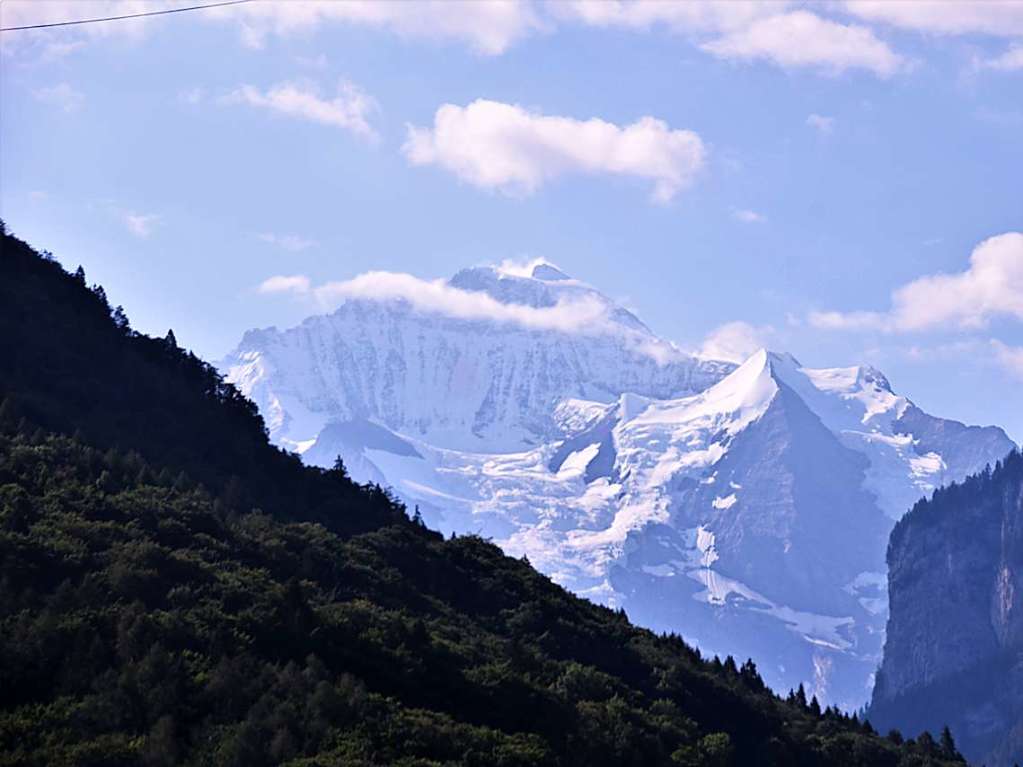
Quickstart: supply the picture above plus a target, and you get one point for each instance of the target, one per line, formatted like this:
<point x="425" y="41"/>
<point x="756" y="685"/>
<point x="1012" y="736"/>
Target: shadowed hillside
<point x="952" y="655"/>
<point x="174" y="590"/>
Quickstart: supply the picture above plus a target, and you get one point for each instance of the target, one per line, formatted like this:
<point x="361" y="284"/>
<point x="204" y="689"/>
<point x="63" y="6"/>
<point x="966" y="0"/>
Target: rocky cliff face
<point x="954" y="648"/>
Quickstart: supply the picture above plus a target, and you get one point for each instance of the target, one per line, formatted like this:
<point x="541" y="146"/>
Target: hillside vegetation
<point x="175" y="590"/>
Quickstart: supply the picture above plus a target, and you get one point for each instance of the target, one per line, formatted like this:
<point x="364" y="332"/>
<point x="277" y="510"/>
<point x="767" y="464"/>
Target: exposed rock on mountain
<point x="747" y="508"/>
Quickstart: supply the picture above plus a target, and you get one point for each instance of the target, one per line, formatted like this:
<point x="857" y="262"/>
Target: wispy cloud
<point x="192" y="96"/>
<point x="349" y="109"/>
<point x="489" y="28"/>
<point x="749" y="216"/>
<point x="438" y="297"/>
<point x="971" y="350"/>
<point x="582" y="314"/>
<point x="784" y="33"/>
<point x="139" y="224"/>
<point x="735" y="341"/>
<point x="801" y="39"/>
<point x="1009" y="61"/>
<point x="690" y="17"/>
<point x="949" y="17"/>
<point x="821" y="124"/>
<point x="62" y="96"/>
<point x="991" y="286"/>
<point x="1009" y="357"/>
<point x="296" y="283"/>
<point x="292" y="242"/>
<point x="501" y="146"/>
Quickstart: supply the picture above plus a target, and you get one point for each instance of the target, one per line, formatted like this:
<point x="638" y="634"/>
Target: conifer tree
<point x="340" y="470"/>
<point x="815" y="707"/>
<point x="948" y="745"/>
<point x="801" y="695"/>
<point x="121" y="319"/>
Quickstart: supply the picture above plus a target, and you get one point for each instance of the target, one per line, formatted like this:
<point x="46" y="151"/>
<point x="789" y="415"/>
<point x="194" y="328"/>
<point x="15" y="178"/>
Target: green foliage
<point x="151" y="613"/>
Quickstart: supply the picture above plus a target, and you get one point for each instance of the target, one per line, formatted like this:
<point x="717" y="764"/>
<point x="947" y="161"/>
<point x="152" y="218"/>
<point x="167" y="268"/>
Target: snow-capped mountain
<point x="452" y="374"/>
<point x="745" y="507"/>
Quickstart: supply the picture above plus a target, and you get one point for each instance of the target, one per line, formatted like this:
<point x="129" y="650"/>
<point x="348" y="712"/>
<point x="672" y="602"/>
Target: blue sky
<point x="778" y="171"/>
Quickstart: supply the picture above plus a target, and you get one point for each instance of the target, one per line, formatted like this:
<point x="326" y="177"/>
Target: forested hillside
<point x="955" y="634"/>
<point x="174" y="590"/>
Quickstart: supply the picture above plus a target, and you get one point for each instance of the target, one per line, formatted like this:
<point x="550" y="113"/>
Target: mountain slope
<point x="77" y="371"/>
<point x="151" y="615"/>
<point x="746" y="508"/>
<point x="955" y="634"/>
<point x="457" y="378"/>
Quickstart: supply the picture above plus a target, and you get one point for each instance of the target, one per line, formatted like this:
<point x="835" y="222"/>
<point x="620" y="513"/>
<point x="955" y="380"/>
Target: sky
<point x="842" y="180"/>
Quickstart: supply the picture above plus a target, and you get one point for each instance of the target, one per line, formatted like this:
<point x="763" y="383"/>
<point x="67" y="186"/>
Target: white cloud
<point x="583" y="315"/>
<point x="972" y="350"/>
<point x="992" y="286"/>
<point x="47" y="45"/>
<point x="749" y="216"/>
<point x="438" y="297"/>
<point x="489" y="27"/>
<point x="141" y="225"/>
<point x="192" y="96"/>
<point x="523" y="267"/>
<point x="1009" y="357"/>
<point x="37" y="195"/>
<point x="692" y="16"/>
<point x="503" y="146"/>
<point x="952" y="17"/>
<point x="62" y="96"/>
<point x="292" y="242"/>
<point x="849" y="320"/>
<point x="58" y="50"/>
<point x="803" y="39"/>
<point x="297" y="283"/>
<point x="821" y="123"/>
<point x="735" y="341"/>
<point x="1010" y="61"/>
<point x="349" y="109"/>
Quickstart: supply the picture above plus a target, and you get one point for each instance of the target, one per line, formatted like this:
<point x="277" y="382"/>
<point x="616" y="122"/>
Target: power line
<point x="126" y="16"/>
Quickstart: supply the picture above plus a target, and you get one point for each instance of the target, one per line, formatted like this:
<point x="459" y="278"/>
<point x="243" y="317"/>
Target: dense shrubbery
<point x="151" y="613"/>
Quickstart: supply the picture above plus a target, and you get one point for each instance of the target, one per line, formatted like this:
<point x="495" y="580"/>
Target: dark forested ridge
<point x="955" y="631"/>
<point x="174" y="590"/>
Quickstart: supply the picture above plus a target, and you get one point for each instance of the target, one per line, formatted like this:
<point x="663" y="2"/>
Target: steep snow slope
<point x="746" y="508"/>
<point x="455" y="380"/>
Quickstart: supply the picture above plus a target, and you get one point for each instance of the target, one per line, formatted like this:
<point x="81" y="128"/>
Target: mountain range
<point x="746" y="507"/>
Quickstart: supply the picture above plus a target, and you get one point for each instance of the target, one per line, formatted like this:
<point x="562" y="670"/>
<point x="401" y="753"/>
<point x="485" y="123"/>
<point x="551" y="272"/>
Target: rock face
<point x="954" y="649"/>
<point x="746" y="507"/>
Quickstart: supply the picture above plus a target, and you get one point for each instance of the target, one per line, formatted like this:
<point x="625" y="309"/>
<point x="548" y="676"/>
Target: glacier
<point x="746" y="507"/>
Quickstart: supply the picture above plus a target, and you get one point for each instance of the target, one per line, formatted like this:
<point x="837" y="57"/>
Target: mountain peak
<point x="548" y="273"/>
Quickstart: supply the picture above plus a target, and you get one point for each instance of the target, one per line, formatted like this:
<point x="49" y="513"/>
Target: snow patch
<point x="725" y="502"/>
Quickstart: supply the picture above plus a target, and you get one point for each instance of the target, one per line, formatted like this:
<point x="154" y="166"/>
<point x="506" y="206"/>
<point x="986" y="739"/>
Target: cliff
<point x="954" y="648"/>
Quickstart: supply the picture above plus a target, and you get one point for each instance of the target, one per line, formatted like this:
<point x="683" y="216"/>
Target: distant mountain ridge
<point x="746" y="507"/>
